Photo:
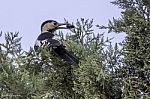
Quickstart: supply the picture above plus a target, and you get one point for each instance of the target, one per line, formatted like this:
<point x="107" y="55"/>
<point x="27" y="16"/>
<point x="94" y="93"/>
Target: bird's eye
<point x="55" y="23"/>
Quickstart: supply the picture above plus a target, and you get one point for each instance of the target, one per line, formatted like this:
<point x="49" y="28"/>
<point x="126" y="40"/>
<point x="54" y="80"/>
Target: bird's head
<point x="51" y="26"/>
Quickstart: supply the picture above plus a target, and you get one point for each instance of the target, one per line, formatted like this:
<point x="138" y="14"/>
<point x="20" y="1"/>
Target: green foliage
<point x="105" y="71"/>
<point x="42" y="75"/>
<point x="135" y="22"/>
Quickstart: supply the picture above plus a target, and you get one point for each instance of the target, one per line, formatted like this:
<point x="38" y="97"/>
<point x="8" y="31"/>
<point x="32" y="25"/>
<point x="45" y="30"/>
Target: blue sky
<point x="26" y="16"/>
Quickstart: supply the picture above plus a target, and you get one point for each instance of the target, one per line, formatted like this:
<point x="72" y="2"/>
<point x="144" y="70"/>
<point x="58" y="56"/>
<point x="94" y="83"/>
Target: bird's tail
<point x="66" y="55"/>
<point x="70" y="58"/>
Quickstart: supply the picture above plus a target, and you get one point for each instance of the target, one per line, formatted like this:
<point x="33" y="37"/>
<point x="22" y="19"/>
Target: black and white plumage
<point x="47" y="39"/>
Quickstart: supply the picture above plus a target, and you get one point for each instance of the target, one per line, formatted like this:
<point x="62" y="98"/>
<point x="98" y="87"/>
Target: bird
<point x="50" y="40"/>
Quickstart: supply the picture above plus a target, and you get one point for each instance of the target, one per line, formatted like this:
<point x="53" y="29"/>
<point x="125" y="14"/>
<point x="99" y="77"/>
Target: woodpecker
<point x="50" y="40"/>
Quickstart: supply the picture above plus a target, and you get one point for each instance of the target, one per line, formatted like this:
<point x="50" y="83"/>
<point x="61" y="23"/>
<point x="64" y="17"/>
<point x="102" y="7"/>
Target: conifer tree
<point x="41" y="75"/>
<point x="135" y="22"/>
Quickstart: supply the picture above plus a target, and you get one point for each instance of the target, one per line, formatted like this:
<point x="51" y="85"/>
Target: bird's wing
<point x="47" y="40"/>
<point x="66" y="55"/>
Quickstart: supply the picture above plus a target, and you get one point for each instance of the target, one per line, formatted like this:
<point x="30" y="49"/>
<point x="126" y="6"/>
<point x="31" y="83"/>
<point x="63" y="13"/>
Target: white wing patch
<point x="49" y="43"/>
<point x="58" y="38"/>
<point x="43" y="43"/>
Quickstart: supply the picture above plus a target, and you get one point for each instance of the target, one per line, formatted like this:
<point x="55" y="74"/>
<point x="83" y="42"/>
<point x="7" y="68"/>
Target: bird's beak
<point x="65" y="26"/>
